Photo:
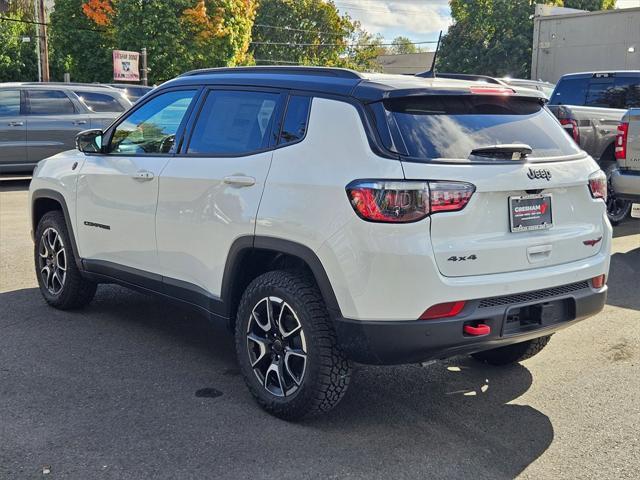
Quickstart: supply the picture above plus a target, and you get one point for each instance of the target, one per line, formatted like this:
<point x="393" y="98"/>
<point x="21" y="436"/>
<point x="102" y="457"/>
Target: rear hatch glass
<point x="440" y="127"/>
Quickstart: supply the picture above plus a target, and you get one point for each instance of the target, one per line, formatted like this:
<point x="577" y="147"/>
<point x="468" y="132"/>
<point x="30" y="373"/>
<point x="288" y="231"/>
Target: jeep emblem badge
<point x="539" y="173"/>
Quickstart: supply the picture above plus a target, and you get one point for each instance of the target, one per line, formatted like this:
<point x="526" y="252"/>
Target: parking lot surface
<point x="132" y="387"/>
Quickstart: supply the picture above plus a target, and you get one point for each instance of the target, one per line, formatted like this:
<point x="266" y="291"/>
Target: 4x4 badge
<point x="539" y="173"/>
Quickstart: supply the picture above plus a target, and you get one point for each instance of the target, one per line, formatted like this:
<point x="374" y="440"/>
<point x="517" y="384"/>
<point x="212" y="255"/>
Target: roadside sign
<point x="125" y="66"/>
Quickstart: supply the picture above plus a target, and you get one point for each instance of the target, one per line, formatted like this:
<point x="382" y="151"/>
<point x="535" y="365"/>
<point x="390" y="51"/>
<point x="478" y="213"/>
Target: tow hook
<point x="478" y="330"/>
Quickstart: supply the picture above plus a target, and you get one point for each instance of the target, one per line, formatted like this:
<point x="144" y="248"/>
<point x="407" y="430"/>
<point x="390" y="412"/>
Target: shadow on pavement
<point x="120" y="383"/>
<point x="624" y="277"/>
<point x="631" y="226"/>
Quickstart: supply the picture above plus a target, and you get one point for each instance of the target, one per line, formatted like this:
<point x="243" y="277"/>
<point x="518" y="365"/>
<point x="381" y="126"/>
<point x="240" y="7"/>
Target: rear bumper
<point x="626" y="184"/>
<point x="398" y="342"/>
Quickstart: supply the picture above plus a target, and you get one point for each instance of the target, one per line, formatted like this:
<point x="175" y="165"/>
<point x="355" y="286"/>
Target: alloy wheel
<point x="52" y="261"/>
<point x="276" y="346"/>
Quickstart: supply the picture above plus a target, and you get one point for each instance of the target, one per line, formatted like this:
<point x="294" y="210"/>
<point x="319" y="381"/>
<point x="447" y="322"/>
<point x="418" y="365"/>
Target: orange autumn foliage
<point x="99" y="11"/>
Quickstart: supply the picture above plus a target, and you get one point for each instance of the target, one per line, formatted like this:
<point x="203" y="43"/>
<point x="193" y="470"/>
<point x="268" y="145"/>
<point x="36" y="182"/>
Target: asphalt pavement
<point x="132" y="387"/>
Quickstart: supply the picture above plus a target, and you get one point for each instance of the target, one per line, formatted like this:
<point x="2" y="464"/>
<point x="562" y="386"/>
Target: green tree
<point x="78" y="45"/>
<point x="401" y="45"/>
<point x="363" y="51"/>
<point x="300" y="32"/>
<point x="18" y="59"/>
<point x="493" y="37"/>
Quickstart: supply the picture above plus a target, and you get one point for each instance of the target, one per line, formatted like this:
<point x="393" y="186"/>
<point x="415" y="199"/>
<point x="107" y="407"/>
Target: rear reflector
<point x="443" y="310"/>
<point x="598" y="282"/>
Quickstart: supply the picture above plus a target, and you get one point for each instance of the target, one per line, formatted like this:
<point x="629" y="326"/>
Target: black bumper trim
<point x="399" y="342"/>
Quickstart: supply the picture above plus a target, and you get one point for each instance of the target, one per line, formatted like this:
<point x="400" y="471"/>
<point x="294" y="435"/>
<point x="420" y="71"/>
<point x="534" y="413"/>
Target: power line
<point x="47" y="24"/>
<point x="345" y="45"/>
<point x="379" y="9"/>
<point x="318" y="32"/>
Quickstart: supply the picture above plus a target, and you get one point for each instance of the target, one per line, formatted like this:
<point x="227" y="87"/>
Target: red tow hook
<point x="478" y="330"/>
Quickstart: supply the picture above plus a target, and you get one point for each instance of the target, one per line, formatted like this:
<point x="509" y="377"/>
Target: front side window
<point x="49" y="102"/>
<point x="452" y="126"/>
<point x="152" y="128"/>
<point x="100" y="102"/>
<point x="295" y="120"/>
<point x="9" y="103"/>
<point x="234" y="122"/>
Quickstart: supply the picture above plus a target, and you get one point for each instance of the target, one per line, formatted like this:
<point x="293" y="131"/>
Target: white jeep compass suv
<point x="328" y="216"/>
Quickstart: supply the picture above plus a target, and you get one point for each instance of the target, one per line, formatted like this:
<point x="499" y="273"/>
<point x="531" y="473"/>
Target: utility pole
<point x="43" y="42"/>
<point x="36" y="16"/>
<point x="143" y="57"/>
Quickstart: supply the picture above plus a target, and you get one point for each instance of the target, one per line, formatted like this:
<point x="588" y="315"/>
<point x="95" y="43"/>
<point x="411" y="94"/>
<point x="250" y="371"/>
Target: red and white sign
<point x="125" y="66"/>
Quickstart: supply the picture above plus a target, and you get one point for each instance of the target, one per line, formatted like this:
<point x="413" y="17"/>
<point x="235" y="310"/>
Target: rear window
<point x="100" y="102"/>
<point x="570" y="91"/>
<point x="450" y="127"/>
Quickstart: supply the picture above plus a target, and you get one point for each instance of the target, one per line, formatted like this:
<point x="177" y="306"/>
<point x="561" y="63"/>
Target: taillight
<point x="598" y="185"/>
<point x="575" y="132"/>
<point x="621" y="141"/>
<point x="491" y="90"/>
<point x="406" y="201"/>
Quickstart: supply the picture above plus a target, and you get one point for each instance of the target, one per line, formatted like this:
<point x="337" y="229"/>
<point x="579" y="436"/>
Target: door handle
<point x="79" y="122"/>
<point x="143" y="175"/>
<point x="240" y="180"/>
<point x="16" y="124"/>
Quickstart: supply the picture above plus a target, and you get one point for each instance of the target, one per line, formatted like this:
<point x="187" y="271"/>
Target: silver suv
<point x="38" y="120"/>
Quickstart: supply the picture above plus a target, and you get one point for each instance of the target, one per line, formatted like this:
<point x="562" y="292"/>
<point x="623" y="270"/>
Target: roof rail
<point x="281" y="70"/>
<point x="67" y="84"/>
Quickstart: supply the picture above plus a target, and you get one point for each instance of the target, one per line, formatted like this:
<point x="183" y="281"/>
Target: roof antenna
<point x="431" y="73"/>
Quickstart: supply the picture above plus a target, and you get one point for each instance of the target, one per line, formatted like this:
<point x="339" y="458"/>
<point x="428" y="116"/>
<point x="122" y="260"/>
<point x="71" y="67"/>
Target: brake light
<point x="575" y="132"/>
<point x="598" y="185"/>
<point x="443" y="310"/>
<point x="621" y="141"/>
<point x="491" y="90"/>
<point x="406" y="201"/>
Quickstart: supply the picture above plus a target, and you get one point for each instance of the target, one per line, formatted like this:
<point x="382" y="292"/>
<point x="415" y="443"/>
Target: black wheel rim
<point x="52" y="261"/>
<point x="276" y="346"/>
<point x="616" y="207"/>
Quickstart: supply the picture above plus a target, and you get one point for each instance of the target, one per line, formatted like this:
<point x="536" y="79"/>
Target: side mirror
<point x="89" y="141"/>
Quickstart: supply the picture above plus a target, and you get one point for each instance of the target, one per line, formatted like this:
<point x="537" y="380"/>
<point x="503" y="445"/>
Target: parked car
<point x="590" y="106"/>
<point x="133" y="92"/>
<point x="328" y="216"/>
<point x="626" y="178"/>
<point x="545" y="87"/>
<point x="38" y="120"/>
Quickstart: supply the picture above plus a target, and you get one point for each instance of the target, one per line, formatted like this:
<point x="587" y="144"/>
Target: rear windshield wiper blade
<point x="508" y="151"/>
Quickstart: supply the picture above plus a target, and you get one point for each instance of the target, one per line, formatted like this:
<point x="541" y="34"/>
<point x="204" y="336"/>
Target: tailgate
<point x="632" y="161"/>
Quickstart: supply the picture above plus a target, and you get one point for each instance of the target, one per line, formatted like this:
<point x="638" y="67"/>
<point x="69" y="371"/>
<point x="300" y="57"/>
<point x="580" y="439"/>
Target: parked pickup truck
<point x="590" y="107"/>
<point x="626" y="178"/>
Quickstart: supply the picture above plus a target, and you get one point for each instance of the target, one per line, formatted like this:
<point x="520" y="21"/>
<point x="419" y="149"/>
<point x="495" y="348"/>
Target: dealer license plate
<point x="530" y="212"/>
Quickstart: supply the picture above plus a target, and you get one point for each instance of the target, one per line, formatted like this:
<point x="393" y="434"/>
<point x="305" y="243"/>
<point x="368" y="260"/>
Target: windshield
<point x="450" y="127"/>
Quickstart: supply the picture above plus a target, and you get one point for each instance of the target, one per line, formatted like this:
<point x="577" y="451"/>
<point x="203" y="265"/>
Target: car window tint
<point x="602" y="93"/>
<point x="100" y="102"/>
<point x="152" y="128"/>
<point x="629" y="91"/>
<point x="9" y="103"/>
<point x="49" y="102"/>
<point x="295" y="121"/>
<point x="570" y="91"/>
<point x="233" y="122"/>
<point x="451" y="126"/>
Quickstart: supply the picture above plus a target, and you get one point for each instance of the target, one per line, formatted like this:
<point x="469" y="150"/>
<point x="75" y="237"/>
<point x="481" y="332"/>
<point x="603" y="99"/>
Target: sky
<point x="420" y="20"/>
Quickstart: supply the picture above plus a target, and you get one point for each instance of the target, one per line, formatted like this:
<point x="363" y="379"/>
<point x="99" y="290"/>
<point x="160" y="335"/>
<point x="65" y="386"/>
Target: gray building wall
<point x="579" y="42"/>
<point x="406" y="63"/>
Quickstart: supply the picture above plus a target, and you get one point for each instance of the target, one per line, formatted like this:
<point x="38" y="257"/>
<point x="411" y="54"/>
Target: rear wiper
<point x="507" y="151"/>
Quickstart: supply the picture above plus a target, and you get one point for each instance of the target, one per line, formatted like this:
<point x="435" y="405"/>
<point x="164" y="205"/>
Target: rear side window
<point x="234" y="122"/>
<point x="294" y="126"/>
<point x="570" y="91"/>
<point x="49" y="102"/>
<point x="9" y="103"/>
<point x="450" y="127"/>
<point x="100" y="102"/>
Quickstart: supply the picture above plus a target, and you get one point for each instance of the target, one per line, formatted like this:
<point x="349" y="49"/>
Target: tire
<point x="292" y="364"/>
<point x="617" y="209"/>
<point x="512" y="353"/>
<point x="59" y="278"/>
